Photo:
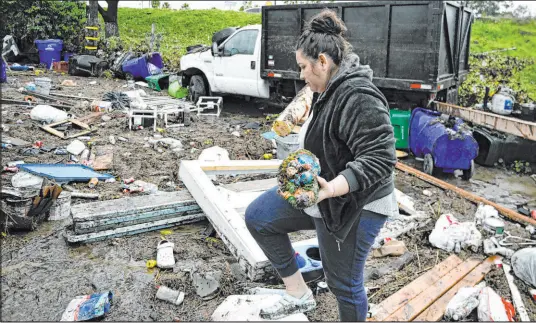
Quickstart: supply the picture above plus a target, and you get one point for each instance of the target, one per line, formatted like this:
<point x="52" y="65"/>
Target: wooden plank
<point x="90" y="118"/>
<point x="226" y="220"/>
<point x="435" y="312"/>
<point x="252" y="186"/>
<point x="433" y="292"/>
<point x="511" y="214"/>
<point x="405" y="202"/>
<point x="517" y="127"/>
<point x="416" y="287"/>
<point x="15" y="141"/>
<point x="235" y="167"/>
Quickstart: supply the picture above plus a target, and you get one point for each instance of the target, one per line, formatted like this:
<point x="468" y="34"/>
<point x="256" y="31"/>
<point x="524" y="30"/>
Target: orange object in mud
<point x="62" y="67"/>
<point x="93" y="182"/>
<point x="30" y="98"/>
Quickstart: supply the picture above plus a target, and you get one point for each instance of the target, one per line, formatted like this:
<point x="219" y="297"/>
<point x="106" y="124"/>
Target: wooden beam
<point x="436" y="311"/>
<point x="228" y="223"/>
<point x="517" y="127"/>
<point x="511" y="214"/>
<point x="433" y="292"/>
<point x="235" y="167"/>
<point x="416" y="287"/>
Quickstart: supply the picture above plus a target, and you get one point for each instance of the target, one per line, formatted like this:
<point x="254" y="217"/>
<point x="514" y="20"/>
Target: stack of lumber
<point x="426" y="298"/>
<point x="132" y="215"/>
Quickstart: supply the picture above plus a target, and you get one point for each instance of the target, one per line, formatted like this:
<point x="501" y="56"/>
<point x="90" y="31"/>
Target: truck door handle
<point x="252" y="65"/>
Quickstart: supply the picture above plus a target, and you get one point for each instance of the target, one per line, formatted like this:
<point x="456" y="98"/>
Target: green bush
<point x="31" y="20"/>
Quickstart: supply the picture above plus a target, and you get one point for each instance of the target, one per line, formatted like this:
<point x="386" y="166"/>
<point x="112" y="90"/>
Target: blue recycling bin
<point x="49" y="51"/>
<point x="3" y="75"/>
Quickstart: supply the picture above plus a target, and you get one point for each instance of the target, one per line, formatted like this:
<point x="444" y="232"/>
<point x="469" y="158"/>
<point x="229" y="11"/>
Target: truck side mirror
<point x="215" y="50"/>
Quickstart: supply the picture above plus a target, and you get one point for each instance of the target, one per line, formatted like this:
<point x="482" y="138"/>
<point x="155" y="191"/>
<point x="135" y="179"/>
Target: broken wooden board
<point x="71" y="237"/>
<point x="15" y="141"/>
<point x="240" y="308"/>
<point x="433" y="292"/>
<point x="50" y="129"/>
<point x="435" y="311"/>
<point x="224" y="217"/>
<point x="521" y="128"/>
<point x="511" y="214"/>
<point x="90" y="118"/>
<point x="416" y="287"/>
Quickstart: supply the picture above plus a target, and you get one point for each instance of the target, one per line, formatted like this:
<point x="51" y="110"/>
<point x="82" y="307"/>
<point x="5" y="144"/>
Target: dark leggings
<point x="270" y="218"/>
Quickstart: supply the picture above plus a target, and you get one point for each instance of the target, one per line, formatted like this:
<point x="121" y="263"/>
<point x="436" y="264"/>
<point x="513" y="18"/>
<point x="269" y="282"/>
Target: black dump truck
<point x="418" y="50"/>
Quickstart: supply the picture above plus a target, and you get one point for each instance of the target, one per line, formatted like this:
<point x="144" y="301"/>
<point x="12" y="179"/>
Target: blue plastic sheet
<point x="64" y="172"/>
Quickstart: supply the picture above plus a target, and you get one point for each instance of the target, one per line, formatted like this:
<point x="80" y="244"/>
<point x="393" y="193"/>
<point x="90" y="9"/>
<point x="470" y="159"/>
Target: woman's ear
<point x="322" y="59"/>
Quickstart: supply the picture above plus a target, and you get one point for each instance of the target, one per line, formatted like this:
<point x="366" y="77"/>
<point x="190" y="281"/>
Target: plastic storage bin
<point x="286" y="145"/>
<point x="141" y="67"/>
<point x="49" y="51"/>
<point x="493" y="145"/>
<point x="400" y="121"/>
<point x="3" y="73"/>
<point x="442" y="147"/>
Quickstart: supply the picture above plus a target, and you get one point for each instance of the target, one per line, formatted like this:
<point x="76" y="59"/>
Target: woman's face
<point x="314" y="73"/>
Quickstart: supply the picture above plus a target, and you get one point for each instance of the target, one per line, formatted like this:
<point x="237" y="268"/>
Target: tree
<point x="246" y="5"/>
<point x="487" y="8"/>
<point x="521" y="11"/>
<point x="185" y="6"/>
<point x="110" y="18"/>
<point x="166" y="5"/>
<point x="155" y="4"/>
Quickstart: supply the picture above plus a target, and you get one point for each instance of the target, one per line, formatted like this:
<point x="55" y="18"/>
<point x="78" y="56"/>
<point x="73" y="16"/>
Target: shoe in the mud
<point x="288" y="305"/>
<point x="266" y="291"/>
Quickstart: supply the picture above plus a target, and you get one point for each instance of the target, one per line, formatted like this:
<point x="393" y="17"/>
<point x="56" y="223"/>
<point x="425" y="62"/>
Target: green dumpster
<point x="400" y="122"/>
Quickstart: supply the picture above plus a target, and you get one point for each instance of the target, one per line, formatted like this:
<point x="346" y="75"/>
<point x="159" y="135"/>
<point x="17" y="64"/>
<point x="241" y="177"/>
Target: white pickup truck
<point x="231" y="67"/>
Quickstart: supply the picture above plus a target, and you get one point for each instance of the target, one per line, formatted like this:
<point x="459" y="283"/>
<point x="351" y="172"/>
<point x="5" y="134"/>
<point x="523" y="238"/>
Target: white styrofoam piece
<point x="61" y="208"/>
<point x="248" y="307"/>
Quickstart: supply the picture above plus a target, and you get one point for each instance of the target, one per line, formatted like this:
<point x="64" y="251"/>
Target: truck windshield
<point x="242" y="42"/>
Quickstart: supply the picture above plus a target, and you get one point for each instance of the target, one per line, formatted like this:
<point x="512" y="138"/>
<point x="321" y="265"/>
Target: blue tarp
<point x="64" y="172"/>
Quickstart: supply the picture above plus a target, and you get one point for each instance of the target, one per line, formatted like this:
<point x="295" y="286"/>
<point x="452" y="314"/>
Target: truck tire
<point x="197" y="88"/>
<point x="222" y="35"/>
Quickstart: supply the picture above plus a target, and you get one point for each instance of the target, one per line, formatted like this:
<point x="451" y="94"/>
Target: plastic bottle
<point x="169" y="295"/>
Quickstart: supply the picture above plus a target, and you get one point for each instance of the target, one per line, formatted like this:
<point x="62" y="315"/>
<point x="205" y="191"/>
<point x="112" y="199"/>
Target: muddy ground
<point x="41" y="273"/>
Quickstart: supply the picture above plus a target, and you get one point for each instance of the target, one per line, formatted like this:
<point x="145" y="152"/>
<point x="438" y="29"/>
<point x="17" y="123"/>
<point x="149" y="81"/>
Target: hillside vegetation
<point x="179" y="28"/>
<point x="182" y="28"/>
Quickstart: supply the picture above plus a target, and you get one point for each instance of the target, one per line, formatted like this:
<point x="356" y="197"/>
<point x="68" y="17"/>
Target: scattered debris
<point x="494" y="308"/>
<point x="64" y="172"/>
<point x="207" y="285"/>
<point x="88" y="307"/>
<point x="48" y="114"/>
<point x="465" y="301"/>
<point x="238" y="308"/>
<point x="76" y="147"/>
<point x="524" y="265"/>
<point x="451" y="235"/>
<point x="516" y="297"/>
<point x="164" y="255"/>
<point x="391" y="248"/>
<point x="391" y="267"/>
<point x="169" y="295"/>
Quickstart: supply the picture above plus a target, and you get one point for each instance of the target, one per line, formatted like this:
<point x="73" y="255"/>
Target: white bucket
<point x="286" y="145"/>
<point x="43" y="85"/>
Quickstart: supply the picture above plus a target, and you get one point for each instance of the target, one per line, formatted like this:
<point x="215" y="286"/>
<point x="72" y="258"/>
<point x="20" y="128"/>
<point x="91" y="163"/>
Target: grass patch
<point x="179" y="28"/>
<point x="507" y="33"/>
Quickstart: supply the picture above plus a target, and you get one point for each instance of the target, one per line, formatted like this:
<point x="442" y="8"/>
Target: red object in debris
<point x="133" y="190"/>
<point x="12" y="169"/>
<point x="533" y="214"/>
<point x="128" y="180"/>
<point x="38" y="144"/>
<point x="533" y="294"/>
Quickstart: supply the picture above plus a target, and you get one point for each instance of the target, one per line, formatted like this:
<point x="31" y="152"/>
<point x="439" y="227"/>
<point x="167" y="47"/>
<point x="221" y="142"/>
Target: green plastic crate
<point x="400" y="122"/>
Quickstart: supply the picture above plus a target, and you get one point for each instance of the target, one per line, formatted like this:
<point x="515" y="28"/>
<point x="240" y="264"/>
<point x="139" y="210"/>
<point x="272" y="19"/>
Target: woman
<point x="350" y="132"/>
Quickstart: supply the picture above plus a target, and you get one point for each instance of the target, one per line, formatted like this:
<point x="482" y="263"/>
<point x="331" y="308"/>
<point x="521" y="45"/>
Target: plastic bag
<point x="485" y="211"/>
<point x="494" y="308"/>
<point x="463" y="303"/>
<point x="451" y="235"/>
<point x="524" y="264"/>
<point x="88" y="307"/>
<point x="48" y="114"/>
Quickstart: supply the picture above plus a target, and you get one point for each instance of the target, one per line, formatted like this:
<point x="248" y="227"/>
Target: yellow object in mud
<point x="268" y="156"/>
<point x="401" y="154"/>
<point x="160" y="130"/>
<point x="166" y="232"/>
<point x="282" y="128"/>
<point x="151" y="263"/>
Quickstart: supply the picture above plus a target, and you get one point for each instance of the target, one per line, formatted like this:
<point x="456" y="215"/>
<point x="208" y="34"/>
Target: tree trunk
<point x="110" y="19"/>
<point x="111" y="29"/>
<point x="93" y="13"/>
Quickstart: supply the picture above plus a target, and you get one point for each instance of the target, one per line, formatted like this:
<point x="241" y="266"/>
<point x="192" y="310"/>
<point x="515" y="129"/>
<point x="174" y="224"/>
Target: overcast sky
<point x="230" y="5"/>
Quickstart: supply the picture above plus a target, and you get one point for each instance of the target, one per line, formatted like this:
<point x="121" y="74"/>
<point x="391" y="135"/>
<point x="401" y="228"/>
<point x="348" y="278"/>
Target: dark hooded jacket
<point x="351" y="134"/>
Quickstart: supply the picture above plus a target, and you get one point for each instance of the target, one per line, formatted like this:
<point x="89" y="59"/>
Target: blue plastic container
<point x="49" y="51"/>
<point x="3" y="74"/>
<point x="310" y="264"/>
<point x="441" y="147"/>
<point x="140" y="67"/>
<point x="67" y="55"/>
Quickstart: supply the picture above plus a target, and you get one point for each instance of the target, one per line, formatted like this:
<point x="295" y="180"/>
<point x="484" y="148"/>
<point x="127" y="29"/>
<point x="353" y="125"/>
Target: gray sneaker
<point x="288" y="305"/>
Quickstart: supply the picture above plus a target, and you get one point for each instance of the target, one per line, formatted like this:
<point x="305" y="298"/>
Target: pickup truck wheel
<point x="197" y="88"/>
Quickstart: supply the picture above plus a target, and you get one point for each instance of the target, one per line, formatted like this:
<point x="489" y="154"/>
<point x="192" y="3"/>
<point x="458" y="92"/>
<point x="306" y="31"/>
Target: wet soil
<point x="40" y="269"/>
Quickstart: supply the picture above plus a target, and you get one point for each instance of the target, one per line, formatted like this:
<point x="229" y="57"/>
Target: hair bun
<point x="327" y="22"/>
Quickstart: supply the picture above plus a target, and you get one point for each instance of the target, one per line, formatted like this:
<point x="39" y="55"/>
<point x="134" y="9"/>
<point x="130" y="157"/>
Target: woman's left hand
<point x="327" y="189"/>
